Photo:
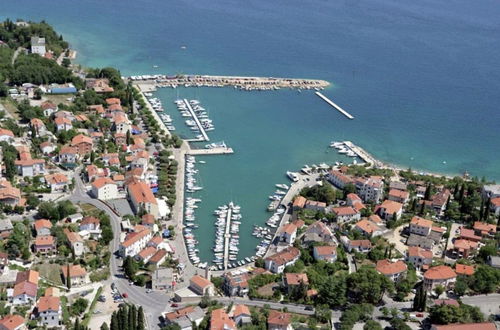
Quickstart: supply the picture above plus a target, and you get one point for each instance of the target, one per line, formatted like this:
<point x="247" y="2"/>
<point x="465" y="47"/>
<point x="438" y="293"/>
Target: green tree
<point x="130" y="267"/>
<point x="485" y="279"/>
<point x="439" y="290"/>
<point x="104" y="326"/>
<point x="333" y="291"/>
<point x="368" y="286"/>
<point x="79" y="306"/>
<point x="372" y="325"/>
<point x="140" y="319"/>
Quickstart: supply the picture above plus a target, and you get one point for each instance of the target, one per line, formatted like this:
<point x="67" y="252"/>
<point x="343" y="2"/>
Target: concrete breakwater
<point x="245" y="83"/>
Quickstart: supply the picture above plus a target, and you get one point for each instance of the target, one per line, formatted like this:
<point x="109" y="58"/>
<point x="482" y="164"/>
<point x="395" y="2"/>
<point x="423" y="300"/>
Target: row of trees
<point x="128" y="317"/>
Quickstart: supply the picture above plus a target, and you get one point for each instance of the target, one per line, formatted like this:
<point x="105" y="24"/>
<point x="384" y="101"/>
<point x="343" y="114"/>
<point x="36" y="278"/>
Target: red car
<point x="420" y="315"/>
<point x="174" y="305"/>
<point x="124" y="295"/>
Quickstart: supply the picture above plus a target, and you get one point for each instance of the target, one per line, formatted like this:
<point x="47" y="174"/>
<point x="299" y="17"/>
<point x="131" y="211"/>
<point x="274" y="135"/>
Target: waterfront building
<point x="201" y="286"/>
<point x="289" y="233"/>
<point x="236" y="284"/>
<point x="141" y="197"/>
<point x="277" y="262"/>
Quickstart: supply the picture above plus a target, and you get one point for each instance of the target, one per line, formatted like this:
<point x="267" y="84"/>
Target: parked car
<point x="174" y="305"/>
<point x="124" y="295"/>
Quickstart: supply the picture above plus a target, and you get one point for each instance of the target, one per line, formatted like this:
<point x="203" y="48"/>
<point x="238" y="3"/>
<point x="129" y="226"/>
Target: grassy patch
<point x="88" y="316"/>
<point x="88" y="208"/>
<point x="51" y="272"/>
<point x="65" y="311"/>
<point x="10" y="107"/>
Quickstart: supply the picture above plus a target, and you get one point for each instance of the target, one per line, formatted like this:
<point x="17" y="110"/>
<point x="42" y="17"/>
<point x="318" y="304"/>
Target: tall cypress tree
<point x="132" y="317"/>
<point x="140" y="319"/>
<point x="104" y="326"/>
<point x="68" y="277"/>
<point x="115" y="322"/>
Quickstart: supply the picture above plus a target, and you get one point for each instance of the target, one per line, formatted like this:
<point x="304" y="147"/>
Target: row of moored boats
<point x="158" y="107"/>
<point x="199" y="112"/>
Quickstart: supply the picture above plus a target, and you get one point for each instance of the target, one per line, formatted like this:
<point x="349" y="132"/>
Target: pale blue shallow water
<point x="421" y="78"/>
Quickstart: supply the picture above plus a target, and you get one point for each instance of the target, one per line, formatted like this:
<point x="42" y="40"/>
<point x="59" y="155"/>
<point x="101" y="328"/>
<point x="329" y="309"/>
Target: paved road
<point x="489" y="303"/>
<point x="154" y="303"/>
<point x="299" y="309"/>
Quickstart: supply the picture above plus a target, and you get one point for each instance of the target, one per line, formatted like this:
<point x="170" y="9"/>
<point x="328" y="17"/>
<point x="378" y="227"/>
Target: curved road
<point x="153" y="303"/>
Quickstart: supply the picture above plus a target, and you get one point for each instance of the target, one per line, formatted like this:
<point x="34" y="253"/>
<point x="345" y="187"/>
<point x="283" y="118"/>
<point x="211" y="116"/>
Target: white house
<point x="289" y="233"/>
<point x="49" y="311"/>
<point x="104" y="188"/>
<point x="6" y="135"/>
<point x="420" y="226"/>
<point x="38" y="46"/>
<point x="135" y="242"/>
<point x="277" y="262"/>
<point x="57" y="182"/>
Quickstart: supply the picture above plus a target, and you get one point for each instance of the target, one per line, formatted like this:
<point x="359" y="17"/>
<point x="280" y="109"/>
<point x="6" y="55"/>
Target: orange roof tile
<point x="131" y="239"/>
<point x="344" y="210"/>
<point x="49" y="303"/>
<point x="296" y="279"/>
<point x="279" y="318"/>
<point x="418" y="221"/>
<point x="200" y="281"/>
<point x="74" y="271"/>
<point x="325" y="250"/>
<point x="289" y="228"/>
<point x="439" y="273"/>
<point x="141" y="192"/>
<point x="387" y="267"/>
<point x="241" y="309"/>
<point x="42" y="223"/>
<point x="299" y="202"/>
<point x="11" y="322"/>
<point x="44" y="240"/>
<point x="464" y="269"/>
<point x="101" y="182"/>
<point x="219" y="320"/>
<point x="80" y="138"/>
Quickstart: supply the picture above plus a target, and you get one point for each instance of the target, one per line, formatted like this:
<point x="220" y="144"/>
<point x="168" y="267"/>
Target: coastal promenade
<point x="163" y="127"/>
<point x="245" y="83"/>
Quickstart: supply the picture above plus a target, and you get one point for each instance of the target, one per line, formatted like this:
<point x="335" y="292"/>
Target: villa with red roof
<point x="104" y="189"/>
<point x="394" y="271"/>
<point x="418" y="256"/>
<point x="388" y="209"/>
<point x="327" y="253"/>
<point x="289" y="233"/>
<point x="345" y="214"/>
<point x="439" y="275"/>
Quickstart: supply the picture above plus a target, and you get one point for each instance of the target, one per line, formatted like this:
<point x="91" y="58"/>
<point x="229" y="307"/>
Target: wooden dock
<point x="330" y="102"/>
<point x="212" y="151"/>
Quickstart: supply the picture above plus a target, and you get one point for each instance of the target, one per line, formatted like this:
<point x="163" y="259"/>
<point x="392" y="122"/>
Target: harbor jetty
<point x="227" y="235"/>
<point x="198" y="123"/>
<point x="363" y="154"/>
<point x="160" y="122"/>
<point x="212" y="151"/>
<point x="330" y="102"/>
<point x="151" y="82"/>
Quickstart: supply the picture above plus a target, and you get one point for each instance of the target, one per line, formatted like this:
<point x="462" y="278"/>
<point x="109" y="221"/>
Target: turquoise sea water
<point x="421" y="78"/>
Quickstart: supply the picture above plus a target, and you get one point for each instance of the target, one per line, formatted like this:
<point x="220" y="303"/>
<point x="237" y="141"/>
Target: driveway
<point x="393" y="236"/>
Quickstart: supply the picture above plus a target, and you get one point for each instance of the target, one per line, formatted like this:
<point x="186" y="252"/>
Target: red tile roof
<point x="289" y="228"/>
<point x="219" y="320"/>
<point x="11" y="322"/>
<point x="279" y="318"/>
<point x="285" y="256"/>
<point x="74" y="271"/>
<point x="439" y="273"/>
<point x="415" y="251"/>
<point x="418" y="221"/>
<point x="200" y="281"/>
<point x="464" y="269"/>
<point x="467" y="326"/>
<point x="387" y="267"/>
<point x="49" y="303"/>
<point x="101" y="182"/>
<point x="296" y="279"/>
<point x="344" y="210"/>
<point x="325" y="250"/>
<point x="42" y="223"/>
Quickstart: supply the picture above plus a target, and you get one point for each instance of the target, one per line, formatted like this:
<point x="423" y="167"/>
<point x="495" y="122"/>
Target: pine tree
<point x="140" y="319"/>
<point x="104" y="326"/>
